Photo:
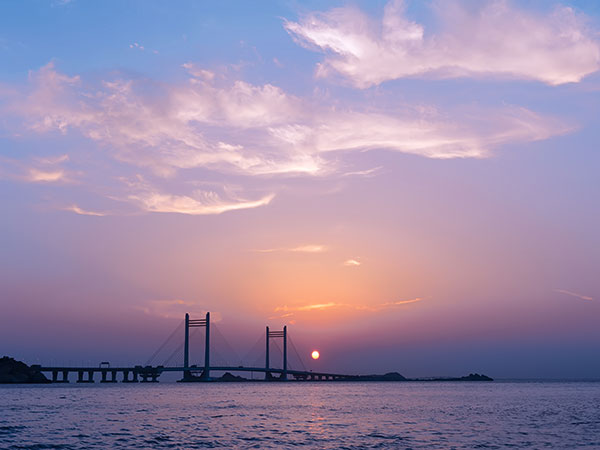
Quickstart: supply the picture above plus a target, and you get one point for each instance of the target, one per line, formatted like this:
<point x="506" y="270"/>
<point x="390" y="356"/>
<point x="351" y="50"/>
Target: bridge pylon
<point x="196" y="323"/>
<point x="270" y="335"/>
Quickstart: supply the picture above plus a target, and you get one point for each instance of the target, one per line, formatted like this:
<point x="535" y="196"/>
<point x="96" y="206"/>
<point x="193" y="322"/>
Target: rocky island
<point x="12" y="371"/>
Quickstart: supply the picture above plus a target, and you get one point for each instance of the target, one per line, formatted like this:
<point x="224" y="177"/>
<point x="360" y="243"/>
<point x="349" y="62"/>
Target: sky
<point x="409" y="186"/>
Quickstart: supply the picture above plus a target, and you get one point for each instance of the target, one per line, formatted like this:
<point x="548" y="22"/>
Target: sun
<point x="315" y="354"/>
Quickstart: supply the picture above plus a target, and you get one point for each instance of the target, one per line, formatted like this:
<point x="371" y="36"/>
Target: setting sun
<point x="315" y="354"/>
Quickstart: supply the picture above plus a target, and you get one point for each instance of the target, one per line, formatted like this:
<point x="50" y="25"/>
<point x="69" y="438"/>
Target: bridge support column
<point x="90" y="376"/>
<point x="55" y="376"/>
<point x="80" y="376"/>
<point x="206" y="372"/>
<point x="186" y="349"/>
<point x="65" y="378"/>
<point x="104" y="380"/>
<point x="267" y="373"/>
<point x="126" y="376"/>
<point x="284" y="374"/>
<point x="113" y="378"/>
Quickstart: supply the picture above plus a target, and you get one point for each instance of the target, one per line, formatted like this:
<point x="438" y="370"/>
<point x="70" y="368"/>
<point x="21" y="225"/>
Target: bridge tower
<point x="270" y="335"/>
<point x="196" y="323"/>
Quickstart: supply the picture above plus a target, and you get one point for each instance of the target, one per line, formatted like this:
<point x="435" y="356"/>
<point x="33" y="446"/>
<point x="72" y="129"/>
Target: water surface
<point x="309" y="415"/>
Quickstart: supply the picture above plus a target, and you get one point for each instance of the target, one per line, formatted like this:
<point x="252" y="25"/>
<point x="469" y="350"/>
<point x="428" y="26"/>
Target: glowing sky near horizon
<point x="409" y="186"/>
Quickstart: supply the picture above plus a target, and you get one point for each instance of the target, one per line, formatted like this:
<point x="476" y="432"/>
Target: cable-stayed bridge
<point x="186" y="347"/>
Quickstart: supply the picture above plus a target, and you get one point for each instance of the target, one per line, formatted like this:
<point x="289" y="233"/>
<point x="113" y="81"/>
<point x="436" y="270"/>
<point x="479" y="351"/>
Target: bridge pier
<point x="81" y="379"/>
<point x="148" y="374"/>
<point x="126" y="379"/>
<point x="149" y="377"/>
<point x="64" y="379"/>
<point x="113" y="376"/>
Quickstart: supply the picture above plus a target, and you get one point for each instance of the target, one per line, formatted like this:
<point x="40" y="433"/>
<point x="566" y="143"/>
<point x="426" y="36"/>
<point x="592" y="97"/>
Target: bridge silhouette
<point x="192" y="372"/>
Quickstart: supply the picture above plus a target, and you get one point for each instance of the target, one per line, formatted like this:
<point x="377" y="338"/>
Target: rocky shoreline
<point x="13" y="372"/>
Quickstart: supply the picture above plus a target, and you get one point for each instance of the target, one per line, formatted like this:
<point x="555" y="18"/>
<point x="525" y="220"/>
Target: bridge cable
<point x="179" y="348"/>
<point x="164" y="344"/>
<point x="228" y="348"/>
<point x="260" y="343"/>
<point x="297" y="354"/>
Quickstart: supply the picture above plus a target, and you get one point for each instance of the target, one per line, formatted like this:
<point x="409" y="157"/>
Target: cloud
<point x="53" y="159"/>
<point x="256" y="130"/>
<point x="482" y="39"/>
<point x="309" y="249"/>
<point x="363" y="173"/>
<point x="36" y="169"/>
<point x="77" y="210"/>
<point x="574" y="294"/>
<point x="308" y="307"/>
<point x="209" y="124"/>
<point x="203" y="202"/>
<point x="399" y="303"/>
<point x="135" y="45"/>
<point x="170" y="127"/>
<point x="289" y="310"/>
<point x="352" y="263"/>
<point x="44" y="176"/>
<point x="470" y="133"/>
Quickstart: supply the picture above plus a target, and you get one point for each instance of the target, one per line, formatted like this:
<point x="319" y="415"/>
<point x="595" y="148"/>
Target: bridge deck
<point x="160" y="369"/>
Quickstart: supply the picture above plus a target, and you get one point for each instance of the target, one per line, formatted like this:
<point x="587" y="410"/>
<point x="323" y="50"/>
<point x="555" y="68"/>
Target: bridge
<point x="192" y="372"/>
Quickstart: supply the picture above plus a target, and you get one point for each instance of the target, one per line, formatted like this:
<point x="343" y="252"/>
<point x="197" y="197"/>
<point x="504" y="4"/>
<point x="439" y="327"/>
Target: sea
<point x="319" y="415"/>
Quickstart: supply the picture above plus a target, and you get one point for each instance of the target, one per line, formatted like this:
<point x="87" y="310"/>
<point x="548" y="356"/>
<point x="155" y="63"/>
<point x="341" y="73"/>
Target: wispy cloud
<point x="309" y="248"/>
<point x="233" y="128"/>
<point x="363" y="173"/>
<point x="573" y="294"/>
<point x="203" y="202"/>
<point x="352" y="263"/>
<point x="45" y="176"/>
<point x="77" y="210"/>
<point x="137" y="46"/>
<point x="257" y="130"/>
<point x="309" y="307"/>
<point x="52" y="160"/>
<point x="36" y="170"/>
<point x="289" y="310"/>
<point x="482" y="39"/>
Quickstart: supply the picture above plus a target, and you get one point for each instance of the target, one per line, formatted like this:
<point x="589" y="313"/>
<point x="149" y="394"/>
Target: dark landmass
<point x="229" y="377"/>
<point x="391" y="376"/>
<point x="12" y="371"/>
<point x="470" y="377"/>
